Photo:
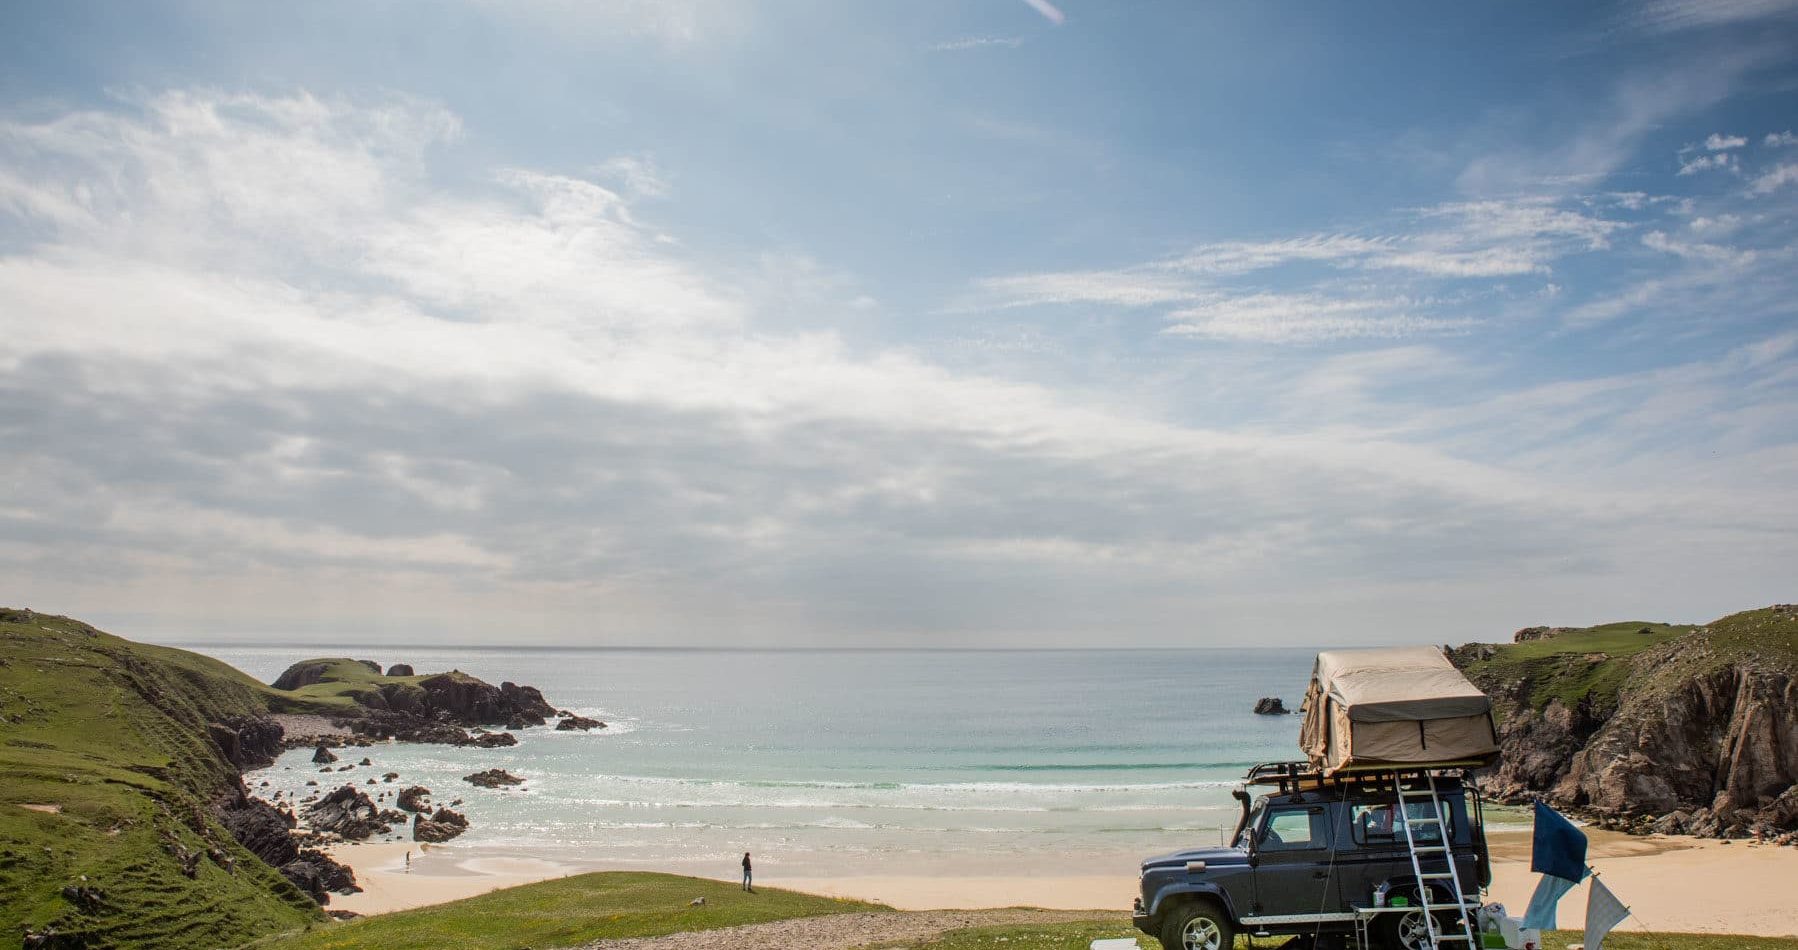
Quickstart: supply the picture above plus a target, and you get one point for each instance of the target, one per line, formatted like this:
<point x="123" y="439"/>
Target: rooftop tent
<point x="1394" y="706"/>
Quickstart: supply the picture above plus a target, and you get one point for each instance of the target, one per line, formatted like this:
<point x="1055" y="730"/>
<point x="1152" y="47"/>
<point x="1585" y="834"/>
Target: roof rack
<point x="1304" y="776"/>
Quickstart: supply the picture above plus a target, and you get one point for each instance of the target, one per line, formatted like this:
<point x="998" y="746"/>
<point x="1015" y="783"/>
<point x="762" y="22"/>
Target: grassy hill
<point x="108" y="777"/>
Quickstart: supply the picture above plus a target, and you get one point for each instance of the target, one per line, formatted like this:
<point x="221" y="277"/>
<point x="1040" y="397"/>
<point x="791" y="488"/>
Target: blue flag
<point x="1560" y="848"/>
<point x="1541" y="912"/>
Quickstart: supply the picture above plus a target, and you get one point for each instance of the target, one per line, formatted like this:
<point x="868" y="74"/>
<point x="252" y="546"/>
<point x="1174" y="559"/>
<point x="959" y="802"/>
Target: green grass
<point x="567" y="912"/>
<point x="1590" y="664"/>
<point x="113" y="734"/>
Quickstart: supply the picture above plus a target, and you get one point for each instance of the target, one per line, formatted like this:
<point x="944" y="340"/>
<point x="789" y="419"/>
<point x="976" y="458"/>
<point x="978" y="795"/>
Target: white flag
<point x="1603" y="911"/>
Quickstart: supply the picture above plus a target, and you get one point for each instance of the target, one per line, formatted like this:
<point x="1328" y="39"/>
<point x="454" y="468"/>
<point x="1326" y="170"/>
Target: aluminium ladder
<point x="1443" y="849"/>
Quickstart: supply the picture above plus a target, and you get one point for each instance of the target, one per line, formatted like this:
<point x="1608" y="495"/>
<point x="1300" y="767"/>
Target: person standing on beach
<point x="747" y="873"/>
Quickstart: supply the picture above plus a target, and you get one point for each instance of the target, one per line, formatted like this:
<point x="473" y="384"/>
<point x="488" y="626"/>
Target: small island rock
<point x="324" y="755"/>
<point x="1270" y="706"/>
<point x="493" y="778"/>
<point x="571" y="723"/>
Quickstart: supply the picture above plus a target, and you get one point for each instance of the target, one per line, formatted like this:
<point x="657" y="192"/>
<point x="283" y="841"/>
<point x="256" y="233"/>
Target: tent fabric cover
<point x="1398" y="706"/>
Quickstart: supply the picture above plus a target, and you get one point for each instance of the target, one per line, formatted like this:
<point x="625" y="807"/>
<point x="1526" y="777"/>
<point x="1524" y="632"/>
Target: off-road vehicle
<point x="1338" y="860"/>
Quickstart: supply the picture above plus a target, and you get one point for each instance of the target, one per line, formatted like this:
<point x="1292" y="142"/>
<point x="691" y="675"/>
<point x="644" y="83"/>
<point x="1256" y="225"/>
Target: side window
<point x="1376" y="823"/>
<point x="1294" y="829"/>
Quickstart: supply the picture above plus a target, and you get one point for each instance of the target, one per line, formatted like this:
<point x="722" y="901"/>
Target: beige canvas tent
<point x="1394" y="706"/>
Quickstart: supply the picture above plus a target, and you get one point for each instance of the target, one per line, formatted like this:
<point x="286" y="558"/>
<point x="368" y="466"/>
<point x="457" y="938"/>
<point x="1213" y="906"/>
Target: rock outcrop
<point x="348" y="813"/>
<point x="571" y="723"/>
<point x="1697" y="735"/>
<point x="440" y="826"/>
<point x="400" y="669"/>
<point x="493" y="778"/>
<point x="248" y="742"/>
<point x="267" y="832"/>
<point x="1270" y="706"/>
<point x="323" y="755"/>
<point x="413" y="799"/>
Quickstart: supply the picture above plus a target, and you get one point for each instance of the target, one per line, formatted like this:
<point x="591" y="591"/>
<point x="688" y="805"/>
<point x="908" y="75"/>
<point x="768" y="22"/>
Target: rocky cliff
<point x="1648" y="727"/>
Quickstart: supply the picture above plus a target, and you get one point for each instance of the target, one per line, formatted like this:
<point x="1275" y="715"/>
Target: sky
<point x="933" y="324"/>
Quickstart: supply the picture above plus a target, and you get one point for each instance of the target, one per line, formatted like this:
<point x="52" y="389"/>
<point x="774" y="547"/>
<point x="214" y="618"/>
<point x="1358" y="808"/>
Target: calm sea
<point x="838" y="761"/>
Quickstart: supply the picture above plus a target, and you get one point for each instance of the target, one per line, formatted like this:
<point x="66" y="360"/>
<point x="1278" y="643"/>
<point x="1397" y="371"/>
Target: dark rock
<point x="1271" y="706"/>
<point x="324" y="755"/>
<point x="247" y="742"/>
<point x="365" y="761"/>
<point x="314" y="872"/>
<point x="493" y="740"/>
<point x="88" y="899"/>
<point x="390" y="776"/>
<point x="342" y="914"/>
<point x="582" y="723"/>
<point x="516" y="723"/>
<point x="400" y="669"/>
<point x="413" y="798"/>
<point x="493" y="778"/>
<point x="347" y="813"/>
<point x="439" y="827"/>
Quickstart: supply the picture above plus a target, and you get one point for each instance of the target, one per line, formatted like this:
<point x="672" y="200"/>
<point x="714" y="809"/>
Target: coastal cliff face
<point x="1652" y="728"/>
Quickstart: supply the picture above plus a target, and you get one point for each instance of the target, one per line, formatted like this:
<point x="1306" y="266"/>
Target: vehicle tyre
<point x="1198" y="925"/>
<point x="1407" y="931"/>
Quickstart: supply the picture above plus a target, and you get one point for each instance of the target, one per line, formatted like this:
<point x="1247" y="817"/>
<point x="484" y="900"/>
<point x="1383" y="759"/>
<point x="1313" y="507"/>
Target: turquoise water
<point x="826" y="761"/>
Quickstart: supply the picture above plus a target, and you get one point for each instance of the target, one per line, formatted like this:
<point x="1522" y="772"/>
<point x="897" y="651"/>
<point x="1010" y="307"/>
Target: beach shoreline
<point x="1672" y="883"/>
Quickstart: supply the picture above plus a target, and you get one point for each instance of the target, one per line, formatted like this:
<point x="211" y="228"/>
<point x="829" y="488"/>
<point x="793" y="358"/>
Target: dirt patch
<point x="46" y="809"/>
<point x="838" y="931"/>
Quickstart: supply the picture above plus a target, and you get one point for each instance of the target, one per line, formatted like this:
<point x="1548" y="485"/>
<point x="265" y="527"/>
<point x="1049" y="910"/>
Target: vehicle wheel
<point x="1197" y="926"/>
<point x="1408" y="931"/>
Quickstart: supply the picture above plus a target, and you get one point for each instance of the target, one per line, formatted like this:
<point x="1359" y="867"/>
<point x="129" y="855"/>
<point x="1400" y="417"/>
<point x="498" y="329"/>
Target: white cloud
<point x="1705" y="163"/>
<point x="1718" y="142"/>
<point x="638" y="174"/>
<point x="1775" y="179"/>
<point x="1696" y="250"/>
<point x="1780" y="139"/>
<point x="1048" y="10"/>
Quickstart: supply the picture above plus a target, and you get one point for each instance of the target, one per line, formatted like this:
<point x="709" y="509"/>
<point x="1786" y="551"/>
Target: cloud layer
<point x="264" y="361"/>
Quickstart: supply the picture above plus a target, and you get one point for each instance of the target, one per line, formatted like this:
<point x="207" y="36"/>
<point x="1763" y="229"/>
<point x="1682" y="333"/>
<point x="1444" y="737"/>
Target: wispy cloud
<point x="1049" y="11"/>
<point x="1780" y="139"/>
<point x="1306" y="318"/>
<point x="1671" y="16"/>
<point x="978" y="42"/>
<point x="1718" y="142"/>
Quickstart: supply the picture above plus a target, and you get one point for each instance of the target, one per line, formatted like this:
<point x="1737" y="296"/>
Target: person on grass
<point x="747" y="873"/>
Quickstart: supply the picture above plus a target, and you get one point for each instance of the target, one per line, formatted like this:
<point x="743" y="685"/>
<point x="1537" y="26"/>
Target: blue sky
<point x="940" y="324"/>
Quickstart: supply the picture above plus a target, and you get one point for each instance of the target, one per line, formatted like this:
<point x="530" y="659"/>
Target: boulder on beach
<point x="571" y="723"/>
<point x="1270" y="706"/>
<point x="324" y="755"/>
<point x="493" y="778"/>
<point x="348" y="813"/>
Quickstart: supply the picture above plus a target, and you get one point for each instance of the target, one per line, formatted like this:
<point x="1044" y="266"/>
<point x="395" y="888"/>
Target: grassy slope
<point x="566" y="912"/>
<point x="1593" y="664"/>
<point x="347" y="684"/>
<point x="1589" y="662"/>
<point x="114" y="734"/>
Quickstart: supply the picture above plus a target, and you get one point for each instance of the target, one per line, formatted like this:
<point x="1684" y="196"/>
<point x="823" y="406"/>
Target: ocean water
<point x="844" y="761"/>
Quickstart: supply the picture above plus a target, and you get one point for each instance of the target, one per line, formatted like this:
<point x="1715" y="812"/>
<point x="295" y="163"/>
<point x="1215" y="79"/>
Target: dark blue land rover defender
<point x="1337" y="860"/>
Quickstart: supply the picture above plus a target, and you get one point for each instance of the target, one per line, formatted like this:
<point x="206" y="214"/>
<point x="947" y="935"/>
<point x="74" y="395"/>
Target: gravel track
<point x="838" y="931"/>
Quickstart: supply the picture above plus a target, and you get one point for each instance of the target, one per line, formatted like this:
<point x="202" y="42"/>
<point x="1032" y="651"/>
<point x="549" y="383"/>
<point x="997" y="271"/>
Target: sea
<point x="843" y="761"/>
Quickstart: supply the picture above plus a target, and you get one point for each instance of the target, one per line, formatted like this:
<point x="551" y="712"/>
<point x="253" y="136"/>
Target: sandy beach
<point x="1671" y="883"/>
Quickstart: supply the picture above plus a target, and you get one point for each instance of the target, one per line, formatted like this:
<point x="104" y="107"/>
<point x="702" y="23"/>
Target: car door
<point x="1293" y="866"/>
